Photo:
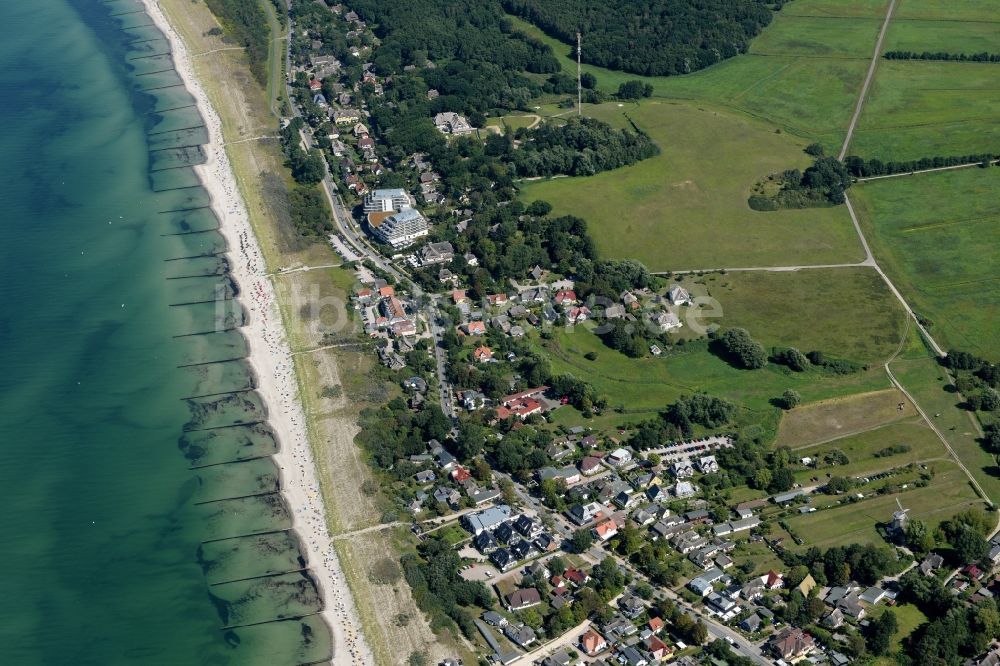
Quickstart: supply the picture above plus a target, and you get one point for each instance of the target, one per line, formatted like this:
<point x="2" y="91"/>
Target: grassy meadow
<point x="948" y="493"/>
<point x="921" y="109"/>
<point x="938" y="238"/>
<point x="949" y="36"/>
<point x="686" y="208"/>
<point x="861" y="320"/>
<point x="953" y="10"/>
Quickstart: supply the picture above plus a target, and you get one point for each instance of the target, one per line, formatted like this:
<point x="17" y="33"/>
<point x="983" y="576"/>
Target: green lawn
<point x="686" y="208"/>
<point x="513" y="122"/>
<point x="922" y="109"/>
<point x="948" y="493"/>
<point x="953" y="10"/>
<point x="949" y="36"/>
<point x="927" y="382"/>
<point x="938" y="238"/>
<point x="861" y="320"/>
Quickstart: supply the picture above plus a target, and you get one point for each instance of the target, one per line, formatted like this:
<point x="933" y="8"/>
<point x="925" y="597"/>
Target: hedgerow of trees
<point x="941" y="55"/>
<point x="862" y="168"/>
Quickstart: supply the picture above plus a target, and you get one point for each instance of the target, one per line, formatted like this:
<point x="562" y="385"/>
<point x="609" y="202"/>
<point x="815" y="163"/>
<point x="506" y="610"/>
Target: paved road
<point x="868" y="80"/>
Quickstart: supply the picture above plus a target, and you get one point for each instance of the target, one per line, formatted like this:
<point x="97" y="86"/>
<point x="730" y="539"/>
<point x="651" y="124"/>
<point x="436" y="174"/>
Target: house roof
<point x="523" y="597"/>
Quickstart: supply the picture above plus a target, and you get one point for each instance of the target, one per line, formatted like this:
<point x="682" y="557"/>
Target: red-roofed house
<point x="458" y="296"/>
<point x="576" y="576"/>
<point x="536" y="392"/>
<point x="565" y="297"/>
<point x="606" y="530"/>
<point x="460" y="474"/>
<point x="593" y="643"/>
<point x="557" y="582"/>
<point x="483" y="354"/>
<point x="772" y="580"/>
<point x="475" y="328"/>
<point x="578" y="314"/>
<point x="522" y="409"/>
<point x="386" y="292"/>
<point x="496" y="299"/>
<point x="590" y="465"/>
<point x="315" y="85"/>
<point x="656" y="625"/>
<point x="658" y="648"/>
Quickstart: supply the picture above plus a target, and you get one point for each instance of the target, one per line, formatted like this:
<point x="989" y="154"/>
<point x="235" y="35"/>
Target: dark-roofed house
<point x="522" y="635"/>
<point x="502" y="559"/>
<point x="523" y="598"/>
<point x="791" y="643"/>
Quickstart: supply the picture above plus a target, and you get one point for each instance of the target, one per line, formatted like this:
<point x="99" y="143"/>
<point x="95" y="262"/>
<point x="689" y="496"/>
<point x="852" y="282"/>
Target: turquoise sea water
<point x="118" y="463"/>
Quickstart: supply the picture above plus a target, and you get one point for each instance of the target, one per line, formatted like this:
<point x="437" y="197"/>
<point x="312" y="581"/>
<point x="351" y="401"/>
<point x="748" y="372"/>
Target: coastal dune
<point x="271" y="359"/>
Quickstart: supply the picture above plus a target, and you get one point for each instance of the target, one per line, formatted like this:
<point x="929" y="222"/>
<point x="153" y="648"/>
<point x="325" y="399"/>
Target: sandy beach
<point x="271" y="359"/>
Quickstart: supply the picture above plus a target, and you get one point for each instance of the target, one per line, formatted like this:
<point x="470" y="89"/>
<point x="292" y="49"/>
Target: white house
<point x="619" y="457"/>
<point x="678" y="295"/>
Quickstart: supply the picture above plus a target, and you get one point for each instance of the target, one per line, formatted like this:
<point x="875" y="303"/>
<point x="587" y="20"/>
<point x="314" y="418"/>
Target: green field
<point x="937" y="236"/>
<point x="838" y="8"/>
<point x="513" y="122"/>
<point x="686" y="208"/>
<point x="953" y="10"/>
<point x="644" y="386"/>
<point x="948" y="493"/>
<point x="923" y="109"/>
<point x="815" y="37"/>
<point x="948" y="36"/>
<point x="928" y="383"/>
<point x="861" y="319"/>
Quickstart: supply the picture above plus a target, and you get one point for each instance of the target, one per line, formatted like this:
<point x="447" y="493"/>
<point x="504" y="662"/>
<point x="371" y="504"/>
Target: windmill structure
<point x="898" y="524"/>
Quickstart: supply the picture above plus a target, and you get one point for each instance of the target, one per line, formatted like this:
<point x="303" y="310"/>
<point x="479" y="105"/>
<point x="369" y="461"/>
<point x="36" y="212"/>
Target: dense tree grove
<point x="822" y="184"/>
<point x="741" y="349"/>
<point x="483" y="61"/>
<point x="862" y="168"/>
<point x="838" y="565"/>
<point x="247" y="23"/>
<point x="941" y="55"/>
<point x="581" y="147"/>
<point x="677" y="421"/>
<point x="308" y="211"/>
<point x="651" y="37"/>
<point x="438" y="589"/>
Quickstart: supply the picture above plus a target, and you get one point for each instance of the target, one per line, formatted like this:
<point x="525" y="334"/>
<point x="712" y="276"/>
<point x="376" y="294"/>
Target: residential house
<point x="684" y="489"/>
<point x="833" y="620"/>
<point x="772" y="580"/>
<point x="485" y="542"/>
<point x="708" y="465"/>
<point x="618" y="457"/>
<point x="631" y="606"/>
<point x="527" y="526"/>
<point x="452" y="123"/>
<point x="605" y="530"/>
<point x="590" y="465"/>
<point x="523" y="598"/>
<point x="678" y="295"/>
<point x="487" y="519"/>
<point x="667" y="321"/>
<point x="791" y="643"/>
<point x="682" y="469"/>
<point x="522" y="635"/>
<point x="494" y="619"/>
<point x="592" y="643"/>
<point x="502" y="559"/>
<point x="483" y="354"/>
<point x="750" y="624"/>
<point x="436" y="253"/>
<point x="582" y="514"/>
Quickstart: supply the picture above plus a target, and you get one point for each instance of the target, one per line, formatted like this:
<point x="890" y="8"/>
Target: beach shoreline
<point x="271" y="360"/>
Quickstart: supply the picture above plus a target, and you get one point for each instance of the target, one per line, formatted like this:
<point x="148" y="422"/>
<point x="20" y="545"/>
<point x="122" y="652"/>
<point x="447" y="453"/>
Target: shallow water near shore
<point x="144" y="522"/>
